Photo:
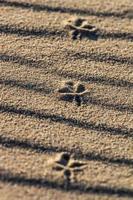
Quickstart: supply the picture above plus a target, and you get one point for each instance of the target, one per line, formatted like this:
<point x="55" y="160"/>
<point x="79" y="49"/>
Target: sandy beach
<point x="38" y="53"/>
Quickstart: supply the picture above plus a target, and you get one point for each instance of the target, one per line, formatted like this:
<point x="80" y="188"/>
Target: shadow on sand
<point x="36" y="32"/>
<point x="103" y="80"/>
<point x="92" y="79"/>
<point x="23" y="31"/>
<point x="38" y="7"/>
<point x="8" y="177"/>
<point x="9" y="142"/>
<point x="41" y="88"/>
<point x="103" y="128"/>
<point x="100" y="57"/>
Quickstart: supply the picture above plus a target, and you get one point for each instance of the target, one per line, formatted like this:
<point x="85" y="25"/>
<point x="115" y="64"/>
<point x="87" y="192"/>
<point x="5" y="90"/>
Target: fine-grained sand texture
<point x="37" y="53"/>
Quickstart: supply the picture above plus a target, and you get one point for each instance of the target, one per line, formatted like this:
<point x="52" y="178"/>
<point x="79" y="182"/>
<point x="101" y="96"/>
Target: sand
<point x="37" y="53"/>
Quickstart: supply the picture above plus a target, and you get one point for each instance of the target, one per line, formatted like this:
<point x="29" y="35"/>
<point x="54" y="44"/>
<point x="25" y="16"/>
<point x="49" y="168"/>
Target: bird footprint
<point x="68" y="166"/>
<point x="80" y="28"/>
<point x="72" y="92"/>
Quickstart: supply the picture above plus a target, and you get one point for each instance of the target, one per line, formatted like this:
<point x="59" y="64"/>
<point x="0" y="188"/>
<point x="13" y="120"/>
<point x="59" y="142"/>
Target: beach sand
<point x="37" y="53"/>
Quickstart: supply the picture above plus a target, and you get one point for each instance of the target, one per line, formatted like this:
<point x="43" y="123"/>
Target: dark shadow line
<point x="25" y="144"/>
<point x="41" y="88"/>
<point x="91" y="12"/>
<point x="82" y="77"/>
<point x="8" y="177"/>
<point x="101" y="57"/>
<point x="8" y="29"/>
<point x="96" y="79"/>
<point x="116" y="35"/>
<point x="104" y="57"/>
<point x="25" y="31"/>
<point x="78" y="154"/>
<point x="102" y="103"/>
<point x="127" y="133"/>
<point x="20" y="60"/>
<point x="45" y="90"/>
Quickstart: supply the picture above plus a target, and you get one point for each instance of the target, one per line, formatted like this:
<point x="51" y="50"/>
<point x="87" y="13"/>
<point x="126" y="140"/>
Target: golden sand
<point x="37" y="54"/>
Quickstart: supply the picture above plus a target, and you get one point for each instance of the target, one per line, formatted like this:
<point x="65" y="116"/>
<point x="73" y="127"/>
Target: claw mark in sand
<point x="80" y="28"/>
<point x="72" y="92"/>
<point x="67" y="166"/>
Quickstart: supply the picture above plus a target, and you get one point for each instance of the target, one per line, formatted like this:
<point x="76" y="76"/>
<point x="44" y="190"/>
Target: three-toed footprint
<point x="66" y="165"/>
<point x="80" y="28"/>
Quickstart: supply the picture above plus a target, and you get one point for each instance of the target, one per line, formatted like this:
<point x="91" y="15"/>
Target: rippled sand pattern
<point x="37" y="53"/>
